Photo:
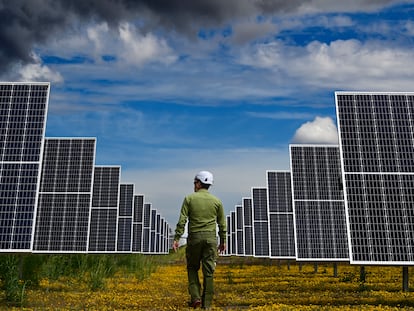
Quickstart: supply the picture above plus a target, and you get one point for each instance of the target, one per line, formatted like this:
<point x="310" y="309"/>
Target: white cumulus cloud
<point x="321" y="130"/>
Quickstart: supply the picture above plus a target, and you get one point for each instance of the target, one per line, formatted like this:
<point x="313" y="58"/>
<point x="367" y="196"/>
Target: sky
<point x="172" y="87"/>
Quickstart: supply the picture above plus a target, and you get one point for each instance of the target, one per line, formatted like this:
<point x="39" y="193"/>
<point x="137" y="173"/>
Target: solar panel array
<point x="376" y="135"/>
<point x="300" y="214"/>
<point x="351" y="202"/>
<point x="320" y="222"/>
<point x="53" y="199"/>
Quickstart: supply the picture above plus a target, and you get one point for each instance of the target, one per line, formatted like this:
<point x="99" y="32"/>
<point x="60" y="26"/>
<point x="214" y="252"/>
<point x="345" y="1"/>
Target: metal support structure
<point x="405" y="278"/>
<point x="362" y="274"/>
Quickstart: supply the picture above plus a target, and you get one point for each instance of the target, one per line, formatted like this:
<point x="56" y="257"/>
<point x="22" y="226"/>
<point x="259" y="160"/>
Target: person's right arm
<point x="221" y="222"/>
<point x="179" y="230"/>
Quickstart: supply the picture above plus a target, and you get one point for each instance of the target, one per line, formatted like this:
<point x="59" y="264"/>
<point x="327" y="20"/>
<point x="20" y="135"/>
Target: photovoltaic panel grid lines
<point x="103" y="224"/>
<point x="62" y="220"/>
<point x="282" y="236"/>
<point x="376" y="133"/>
<point x="23" y="110"/>
<point x="318" y="204"/>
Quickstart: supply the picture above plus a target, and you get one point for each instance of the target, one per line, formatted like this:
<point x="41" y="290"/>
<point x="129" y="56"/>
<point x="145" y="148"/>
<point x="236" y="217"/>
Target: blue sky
<point x="225" y="86"/>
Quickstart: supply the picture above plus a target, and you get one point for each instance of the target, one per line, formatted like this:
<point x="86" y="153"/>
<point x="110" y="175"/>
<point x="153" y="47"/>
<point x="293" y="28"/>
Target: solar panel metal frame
<point x="282" y="243"/>
<point x="17" y="232"/>
<point x="376" y="147"/>
<point x="66" y="177"/>
<point x="310" y="195"/>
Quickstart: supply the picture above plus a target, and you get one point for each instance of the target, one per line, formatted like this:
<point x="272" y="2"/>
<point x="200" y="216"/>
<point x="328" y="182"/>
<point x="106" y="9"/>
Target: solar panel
<point x="158" y="234"/>
<point x="165" y="238"/>
<point x="126" y="199"/>
<point x="23" y="110"/>
<point x="229" y="249"/>
<point x="162" y="236"/>
<point x="104" y="212"/>
<point x="282" y="236"/>
<point x="233" y="233"/>
<point x="318" y="204"/>
<point x="138" y="223"/>
<point x="169" y="238"/>
<point x="63" y="211"/>
<point x="260" y="223"/>
<point x="239" y="230"/>
<point x="376" y="137"/>
<point x="146" y="228"/>
<point x="248" y="226"/>
<point x="153" y="224"/>
<point x="163" y="248"/>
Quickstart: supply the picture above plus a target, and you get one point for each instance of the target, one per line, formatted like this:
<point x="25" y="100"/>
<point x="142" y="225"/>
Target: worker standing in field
<point x="204" y="212"/>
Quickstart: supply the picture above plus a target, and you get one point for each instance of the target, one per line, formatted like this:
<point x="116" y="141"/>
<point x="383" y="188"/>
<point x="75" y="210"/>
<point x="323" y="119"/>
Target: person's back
<point x="204" y="212"/>
<point x="204" y="208"/>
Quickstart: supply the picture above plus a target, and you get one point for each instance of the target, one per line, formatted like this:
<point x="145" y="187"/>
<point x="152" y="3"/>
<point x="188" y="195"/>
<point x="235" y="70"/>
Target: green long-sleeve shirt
<point x="204" y="211"/>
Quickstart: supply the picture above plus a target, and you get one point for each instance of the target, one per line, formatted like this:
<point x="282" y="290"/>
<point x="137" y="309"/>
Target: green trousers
<point x="201" y="248"/>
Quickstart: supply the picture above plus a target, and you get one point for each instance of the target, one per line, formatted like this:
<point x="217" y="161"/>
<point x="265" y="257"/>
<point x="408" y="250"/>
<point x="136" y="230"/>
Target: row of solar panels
<point x="306" y="224"/>
<point x="54" y="199"/>
<point x="348" y="202"/>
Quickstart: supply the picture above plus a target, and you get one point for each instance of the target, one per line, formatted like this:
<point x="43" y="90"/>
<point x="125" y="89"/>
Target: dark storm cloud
<point x="26" y="23"/>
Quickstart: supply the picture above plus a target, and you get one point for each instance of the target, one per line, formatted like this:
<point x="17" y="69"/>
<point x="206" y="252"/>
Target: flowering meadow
<point x="160" y="283"/>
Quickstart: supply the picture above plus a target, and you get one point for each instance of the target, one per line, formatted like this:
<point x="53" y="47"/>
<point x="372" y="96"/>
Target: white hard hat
<point x="205" y="177"/>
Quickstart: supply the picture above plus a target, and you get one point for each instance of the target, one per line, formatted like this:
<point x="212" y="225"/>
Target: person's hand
<point x="175" y="246"/>
<point x="222" y="247"/>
